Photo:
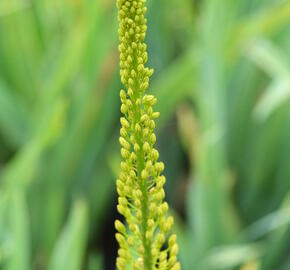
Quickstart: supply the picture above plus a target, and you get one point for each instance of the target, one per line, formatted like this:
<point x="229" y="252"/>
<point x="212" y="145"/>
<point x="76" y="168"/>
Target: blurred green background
<point x="222" y="78"/>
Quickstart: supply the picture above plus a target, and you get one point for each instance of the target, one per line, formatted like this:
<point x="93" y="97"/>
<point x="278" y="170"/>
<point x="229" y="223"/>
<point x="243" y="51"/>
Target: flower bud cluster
<point x="140" y="184"/>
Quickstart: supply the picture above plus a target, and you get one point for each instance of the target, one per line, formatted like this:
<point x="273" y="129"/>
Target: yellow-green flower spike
<point x="145" y="242"/>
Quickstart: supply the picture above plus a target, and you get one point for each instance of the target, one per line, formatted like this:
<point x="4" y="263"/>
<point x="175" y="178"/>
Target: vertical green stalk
<point x="140" y="184"/>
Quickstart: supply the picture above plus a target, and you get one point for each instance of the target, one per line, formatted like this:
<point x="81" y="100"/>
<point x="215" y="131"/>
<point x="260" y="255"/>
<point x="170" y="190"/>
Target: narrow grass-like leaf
<point x="19" y="252"/>
<point x="269" y="58"/>
<point x="14" y="121"/>
<point x="276" y="95"/>
<point x="69" y="249"/>
<point x="232" y="256"/>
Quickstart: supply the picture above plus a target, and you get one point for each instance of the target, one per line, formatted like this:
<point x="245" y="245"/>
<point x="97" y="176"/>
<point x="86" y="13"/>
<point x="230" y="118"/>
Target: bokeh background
<point x="222" y="78"/>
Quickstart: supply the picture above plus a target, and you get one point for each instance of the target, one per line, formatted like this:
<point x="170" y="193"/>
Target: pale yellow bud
<point x="174" y="250"/>
<point x="144" y="174"/>
<point x="172" y="240"/>
<point x="120" y="227"/>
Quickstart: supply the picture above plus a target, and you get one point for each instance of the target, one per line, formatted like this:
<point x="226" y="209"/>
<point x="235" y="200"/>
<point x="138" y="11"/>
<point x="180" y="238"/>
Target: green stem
<point x="143" y="187"/>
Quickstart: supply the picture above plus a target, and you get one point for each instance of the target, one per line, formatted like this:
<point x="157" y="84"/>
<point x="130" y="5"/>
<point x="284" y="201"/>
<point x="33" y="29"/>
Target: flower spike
<point x="142" y="241"/>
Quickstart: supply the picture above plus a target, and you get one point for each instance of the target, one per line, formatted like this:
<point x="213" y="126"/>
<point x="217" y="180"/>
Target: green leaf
<point x="69" y="250"/>
<point x="232" y="256"/>
<point x="269" y="58"/>
<point x="276" y="95"/>
<point x="175" y="83"/>
<point x="263" y="23"/>
<point x="269" y="223"/>
<point x="21" y="170"/>
<point x="96" y="262"/>
<point x="14" y="123"/>
<point x="10" y="7"/>
<point x="18" y="235"/>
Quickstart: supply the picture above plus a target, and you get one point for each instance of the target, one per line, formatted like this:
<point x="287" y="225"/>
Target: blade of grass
<point x="70" y="247"/>
<point x="14" y="123"/>
<point x="18" y="233"/>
